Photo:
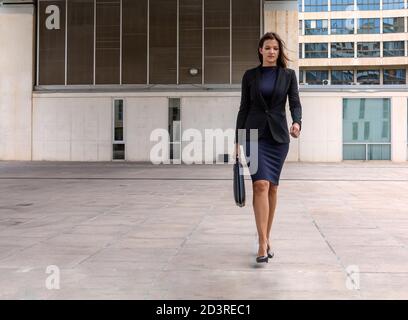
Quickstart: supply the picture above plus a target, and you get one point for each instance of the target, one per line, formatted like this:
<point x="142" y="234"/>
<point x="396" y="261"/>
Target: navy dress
<point x="266" y="160"/>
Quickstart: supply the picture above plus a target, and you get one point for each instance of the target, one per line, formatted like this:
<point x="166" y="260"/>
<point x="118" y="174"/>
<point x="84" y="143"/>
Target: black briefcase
<point x="239" y="183"/>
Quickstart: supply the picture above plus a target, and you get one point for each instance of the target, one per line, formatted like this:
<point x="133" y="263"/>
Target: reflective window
<point x="342" y="26"/>
<point x="316" y="50"/>
<point x="316" y="76"/>
<point x="368" y="76"/>
<point x="316" y="27"/>
<point x="342" y="5"/>
<point x="118" y="137"/>
<point x="367" y="137"/>
<point x="368" y="25"/>
<point x="393" y="48"/>
<point x="342" y="50"/>
<point x="316" y="5"/>
<point x="368" y="49"/>
<point x="368" y="4"/>
<point x="342" y="77"/>
<point x="393" y="4"/>
<point x="394" y="76"/>
<point x="393" y="25"/>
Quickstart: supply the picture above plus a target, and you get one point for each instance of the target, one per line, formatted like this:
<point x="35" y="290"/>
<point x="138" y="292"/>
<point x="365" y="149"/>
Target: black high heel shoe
<point x="262" y="259"/>
<point x="270" y="253"/>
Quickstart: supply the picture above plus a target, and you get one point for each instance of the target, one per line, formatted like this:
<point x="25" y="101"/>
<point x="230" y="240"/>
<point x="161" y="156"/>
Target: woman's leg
<point x="272" y="197"/>
<point x="261" y="210"/>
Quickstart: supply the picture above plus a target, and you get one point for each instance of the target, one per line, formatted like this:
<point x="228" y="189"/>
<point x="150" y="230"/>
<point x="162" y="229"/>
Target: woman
<point x="265" y="90"/>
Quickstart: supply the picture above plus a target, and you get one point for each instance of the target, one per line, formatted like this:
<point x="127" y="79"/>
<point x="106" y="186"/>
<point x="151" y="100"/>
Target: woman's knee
<point x="261" y="186"/>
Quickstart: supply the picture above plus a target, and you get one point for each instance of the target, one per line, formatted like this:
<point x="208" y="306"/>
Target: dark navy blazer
<point x="255" y="113"/>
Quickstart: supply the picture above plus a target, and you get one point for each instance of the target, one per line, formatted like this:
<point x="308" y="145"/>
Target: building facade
<point x="96" y="80"/>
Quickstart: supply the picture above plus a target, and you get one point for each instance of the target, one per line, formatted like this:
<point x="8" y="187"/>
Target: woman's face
<point x="270" y="52"/>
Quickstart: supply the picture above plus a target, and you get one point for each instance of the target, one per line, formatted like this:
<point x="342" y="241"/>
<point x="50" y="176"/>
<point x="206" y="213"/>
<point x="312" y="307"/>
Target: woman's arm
<point x="294" y="101"/>
<point x="243" y="108"/>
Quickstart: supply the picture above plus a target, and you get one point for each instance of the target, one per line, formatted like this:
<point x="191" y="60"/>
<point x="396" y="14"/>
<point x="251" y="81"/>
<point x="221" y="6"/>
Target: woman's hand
<point x="295" y="130"/>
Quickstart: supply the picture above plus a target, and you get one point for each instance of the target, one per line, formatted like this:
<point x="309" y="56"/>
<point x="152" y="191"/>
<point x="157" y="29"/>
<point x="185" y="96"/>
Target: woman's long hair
<point x="283" y="57"/>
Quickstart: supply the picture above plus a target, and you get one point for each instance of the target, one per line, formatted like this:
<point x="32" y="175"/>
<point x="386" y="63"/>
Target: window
<point x="300" y="50"/>
<point x="300" y="6"/>
<point x="175" y="130"/>
<point x="368" y="4"/>
<point x="52" y="42"/>
<point x="342" y="50"/>
<point x="393" y="48"/>
<point x="217" y="41"/>
<point x="342" y="26"/>
<point x="118" y="136"/>
<point x="316" y="27"/>
<point x="368" y="25"/>
<point x="316" y="76"/>
<point x="394" y="76"/>
<point x="134" y="43"/>
<point x="366" y="137"/>
<point x="393" y="25"/>
<point x="316" y="50"/>
<point x="368" y="49"/>
<point x="316" y="5"/>
<point x="107" y="65"/>
<point x="245" y="36"/>
<point x="301" y="75"/>
<point x="342" y="77"/>
<point x="368" y="76"/>
<point x="393" y="4"/>
<point x="163" y="41"/>
<point x="342" y="5"/>
<point x="80" y="50"/>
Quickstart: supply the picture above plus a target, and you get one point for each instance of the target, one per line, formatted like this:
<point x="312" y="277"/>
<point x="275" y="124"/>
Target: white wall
<point x="69" y="128"/>
<point x="16" y="79"/>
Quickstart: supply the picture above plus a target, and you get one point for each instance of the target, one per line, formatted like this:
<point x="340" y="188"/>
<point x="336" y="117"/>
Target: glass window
<point x="316" y="5"/>
<point x="367" y="137"/>
<point x="245" y="36"/>
<point x="342" y="50"/>
<point x="118" y="138"/>
<point x="134" y="42"/>
<point x="316" y="76"/>
<point x="107" y="63"/>
<point x="342" y="26"/>
<point x="368" y="4"/>
<point x="163" y="41"/>
<point x="394" y="76"/>
<point x="368" y="76"/>
<point x="301" y="75"/>
<point x="80" y="50"/>
<point x="300" y="50"/>
<point x="316" y="27"/>
<point x="393" y="25"/>
<point x="174" y="127"/>
<point x="393" y="4"/>
<point x="52" y="42"/>
<point x="217" y="41"/>
<point x="342" y="77"/>
<point x="300" y="6"/>
<point x="393" y="48"/>
<point x="342" y="5"/>
<point x="368" y="49"/>
<point x="368" y="25"/>
<point x="316" y="50"/>
<point x="190" y="39"/>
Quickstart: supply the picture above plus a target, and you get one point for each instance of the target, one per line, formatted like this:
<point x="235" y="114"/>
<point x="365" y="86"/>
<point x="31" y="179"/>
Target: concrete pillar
<point x="16" y="81"/>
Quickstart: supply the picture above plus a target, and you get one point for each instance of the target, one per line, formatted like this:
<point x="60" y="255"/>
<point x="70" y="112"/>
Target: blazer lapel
<point x="258" y="76"/>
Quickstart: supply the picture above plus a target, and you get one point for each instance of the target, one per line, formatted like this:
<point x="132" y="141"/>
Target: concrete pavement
<point x="139" y="231"/>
